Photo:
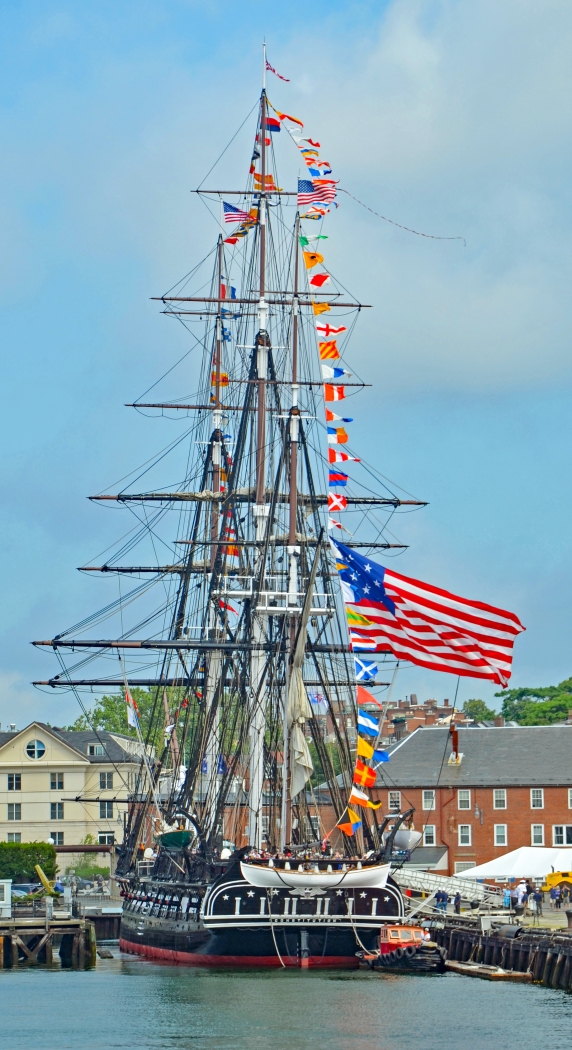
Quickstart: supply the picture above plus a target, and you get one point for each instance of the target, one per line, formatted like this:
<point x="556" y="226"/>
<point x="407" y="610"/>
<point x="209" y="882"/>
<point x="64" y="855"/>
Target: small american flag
<point x="313" y="192"/>
<point x="272" y="70"/>
<point x="430" y="627"/>
<point x="232" y="214"/>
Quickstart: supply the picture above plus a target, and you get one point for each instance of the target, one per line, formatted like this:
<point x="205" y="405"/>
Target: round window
<point x="35" y="749"/>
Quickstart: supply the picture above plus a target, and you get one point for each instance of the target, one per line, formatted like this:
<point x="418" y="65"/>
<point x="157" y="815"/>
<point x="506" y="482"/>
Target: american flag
<point x="232" y="214"/>
<point x="430" y="627"/>
<point x="313" y="192"/>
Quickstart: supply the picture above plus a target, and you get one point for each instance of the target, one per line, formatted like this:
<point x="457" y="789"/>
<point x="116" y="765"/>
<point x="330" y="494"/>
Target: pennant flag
<point x="132" y="710"/>
<point x="286" y="116"/>
<point x="329" y="350"/>
<point x="365" y="697"/>
<point x="333" y="524"/>
<point x="364" y="775"/>
<point x="299" y="138"/>
<point x="354" y="618"/>
<point x="225" y="605"/>
<point x="305" y="241"/>
<point x="312" y="259"/>
<point x="367" y="751"/>
<point x="232" y="214"/>
<point x="365" y="669"/>
<point x="367" y="724"/>
<point x="337" y="477"/>
<point x="318" y="701"/>
<point x="341" y="457"/>
<point x="336" y="502"/>
<point x="272" y="124"/>
<point x="359" y="798"/>
<point x="327" y="329"/>
<point x="320" y="279"/>
<point x="352" y="825"/>
<point x="321" y="308"/>
<point x="331" y="417"/>
<point x="223" y="379"/>
<point x="334" y="393"/>
<point x="333" y="373"/>
<point x="337" y="436"/>
<point x="280" y="77"/>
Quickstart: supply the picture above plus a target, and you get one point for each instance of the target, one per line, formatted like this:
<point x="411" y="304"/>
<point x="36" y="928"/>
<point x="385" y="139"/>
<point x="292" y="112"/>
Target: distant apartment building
<point x="512" y="787"/>
<point x="44" y="769"/>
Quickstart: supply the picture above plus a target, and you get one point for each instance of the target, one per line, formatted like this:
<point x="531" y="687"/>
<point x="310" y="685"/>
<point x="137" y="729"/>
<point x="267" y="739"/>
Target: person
<point x="537" y="896"/>
<point x="506" y="897"/>
<point x="566" y="896"/>
<point x="552" y="895"/>
<point x="457" y="903"/>
<point x="557" y="897"/>
<point x="521" y="892"/>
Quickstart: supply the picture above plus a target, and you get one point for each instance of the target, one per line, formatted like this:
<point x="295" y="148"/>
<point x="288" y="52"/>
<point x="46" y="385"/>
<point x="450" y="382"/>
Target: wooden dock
<point x="539" y="954"/>
<point x="30" y="941"/>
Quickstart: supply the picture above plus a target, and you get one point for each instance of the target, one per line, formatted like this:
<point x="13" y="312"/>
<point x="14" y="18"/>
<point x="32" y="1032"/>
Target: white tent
<point x="528" y="862"/>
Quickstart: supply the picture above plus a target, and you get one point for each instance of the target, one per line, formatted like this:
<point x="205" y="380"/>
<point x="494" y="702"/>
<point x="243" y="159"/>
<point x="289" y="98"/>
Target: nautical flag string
<point x="427" y="625"/>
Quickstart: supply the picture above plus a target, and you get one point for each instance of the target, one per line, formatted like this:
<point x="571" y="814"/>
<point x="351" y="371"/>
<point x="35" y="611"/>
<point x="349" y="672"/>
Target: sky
<point x="452" y="118"/>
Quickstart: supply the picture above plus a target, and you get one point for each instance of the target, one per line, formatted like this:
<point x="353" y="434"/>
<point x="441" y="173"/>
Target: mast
<point x="260" y="511"/>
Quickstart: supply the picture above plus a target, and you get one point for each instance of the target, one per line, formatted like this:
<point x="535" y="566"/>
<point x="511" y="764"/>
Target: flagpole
<point x="264" y="66"/>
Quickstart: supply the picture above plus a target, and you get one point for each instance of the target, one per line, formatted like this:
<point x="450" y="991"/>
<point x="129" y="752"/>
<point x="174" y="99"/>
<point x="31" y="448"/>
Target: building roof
<point x="499" y="756"/>
<point x="117" y="748"/>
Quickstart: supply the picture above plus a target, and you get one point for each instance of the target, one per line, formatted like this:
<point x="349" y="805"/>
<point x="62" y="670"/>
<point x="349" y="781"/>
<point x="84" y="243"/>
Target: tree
<point x="18" y="860"/>
<point x="538" y="706"/>
<point x="110" y="712"/>
<point x="478" y="711"/>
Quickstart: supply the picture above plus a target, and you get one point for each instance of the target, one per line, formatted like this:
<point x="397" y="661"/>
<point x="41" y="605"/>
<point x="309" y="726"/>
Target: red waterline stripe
<point x="191" y="959"/>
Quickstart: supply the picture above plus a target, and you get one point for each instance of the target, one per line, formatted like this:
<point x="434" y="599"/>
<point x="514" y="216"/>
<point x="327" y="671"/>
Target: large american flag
<point x="315" y="191"/>
<point x="415" y="621"/>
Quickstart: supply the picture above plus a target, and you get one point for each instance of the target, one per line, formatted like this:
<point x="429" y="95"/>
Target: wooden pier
<point x="31" y="941"/>
<point x="542" y="952"/>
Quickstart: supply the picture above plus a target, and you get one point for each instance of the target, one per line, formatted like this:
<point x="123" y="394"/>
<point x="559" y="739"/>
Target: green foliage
<point x="537" y="706"/>
<point x="88" y="871"/>
<point x="319" y="776"/>
<point x="110" y="713"/>
<point x="18" y="860"/>
<point x="478" y="711"/>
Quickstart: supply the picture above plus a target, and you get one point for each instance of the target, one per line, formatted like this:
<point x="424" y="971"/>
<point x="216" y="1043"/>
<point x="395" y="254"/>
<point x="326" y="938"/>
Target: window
<point x="501" y="838"/>
<point x="463" y="799"/>
<point x="56" y="781"/>
<point x="105" y="810"/>
<point x="537" y="798"/>
<point x="105" y="839"/>
<point x="35" y="749"/>
<point x="14" y="811"/>
<point x="464" y="834"/>
<point x="394" y="801"/>
<point x="56" y="811"/>
<point x="105" y="781"/>
<point x="14" y="836"/>
<point x="58" y="837"/>
<point x="95" y="749"/>
<point x="428" y="800"/>
<point x="537" y="834"/>
<point x="561" y="834"/>
<point x="499" y="798"/>
<point x="463" y="865"/>
<point x="14" y="782"/>
<point x="429" y="835"/>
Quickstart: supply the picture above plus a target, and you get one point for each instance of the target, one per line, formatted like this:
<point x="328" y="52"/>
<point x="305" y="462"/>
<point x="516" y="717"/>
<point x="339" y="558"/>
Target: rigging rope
<point x="431" y="236"/>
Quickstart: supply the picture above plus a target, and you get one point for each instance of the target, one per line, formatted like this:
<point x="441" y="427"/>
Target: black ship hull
<point x="236" y="924"/>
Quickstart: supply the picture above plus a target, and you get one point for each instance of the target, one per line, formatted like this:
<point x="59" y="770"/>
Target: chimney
<point x="445" y="703"/>
<point x="430" y="720"/>
<point x="413" y="698"/>
<point x="12" y="727"/>
<point x="499" y="721"/>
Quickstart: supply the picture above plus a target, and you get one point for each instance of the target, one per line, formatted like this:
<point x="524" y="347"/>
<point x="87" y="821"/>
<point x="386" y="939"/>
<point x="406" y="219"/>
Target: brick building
<point x="512" y="787"/>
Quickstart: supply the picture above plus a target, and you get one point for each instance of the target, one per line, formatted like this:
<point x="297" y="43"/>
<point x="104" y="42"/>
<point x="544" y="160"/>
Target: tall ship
<point x="252" y="837"/>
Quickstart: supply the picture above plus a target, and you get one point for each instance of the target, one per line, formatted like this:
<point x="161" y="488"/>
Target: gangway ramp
<point x="427" y="882"/>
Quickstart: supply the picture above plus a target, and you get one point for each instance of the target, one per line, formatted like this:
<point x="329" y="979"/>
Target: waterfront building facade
<point x="510" y="787"/>
<point x="42" y="771"/>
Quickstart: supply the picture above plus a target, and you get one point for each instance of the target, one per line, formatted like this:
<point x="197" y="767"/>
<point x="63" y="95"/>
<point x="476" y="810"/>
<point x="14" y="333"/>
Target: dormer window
<point x="95" y="749"/>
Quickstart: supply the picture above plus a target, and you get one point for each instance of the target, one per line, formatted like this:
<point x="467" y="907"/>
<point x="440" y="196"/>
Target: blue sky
<point x="450" y="117"/>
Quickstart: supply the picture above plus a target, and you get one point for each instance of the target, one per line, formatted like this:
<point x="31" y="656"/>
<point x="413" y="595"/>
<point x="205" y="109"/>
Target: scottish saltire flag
<point x="365" y="669"/>
<point x="367" y="724"/>
<point x="232" y="214"/>
<point x="424" y="624"/>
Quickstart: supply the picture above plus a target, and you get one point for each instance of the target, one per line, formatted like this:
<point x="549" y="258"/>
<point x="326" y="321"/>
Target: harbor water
<point x="133" y="1004"/>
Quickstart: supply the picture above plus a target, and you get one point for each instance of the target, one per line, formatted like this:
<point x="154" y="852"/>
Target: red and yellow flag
<point x="352" y="825"/>
<point x="329" y="350"/>
<point x="364" y="775"/>
<point x="223" y="379"/>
